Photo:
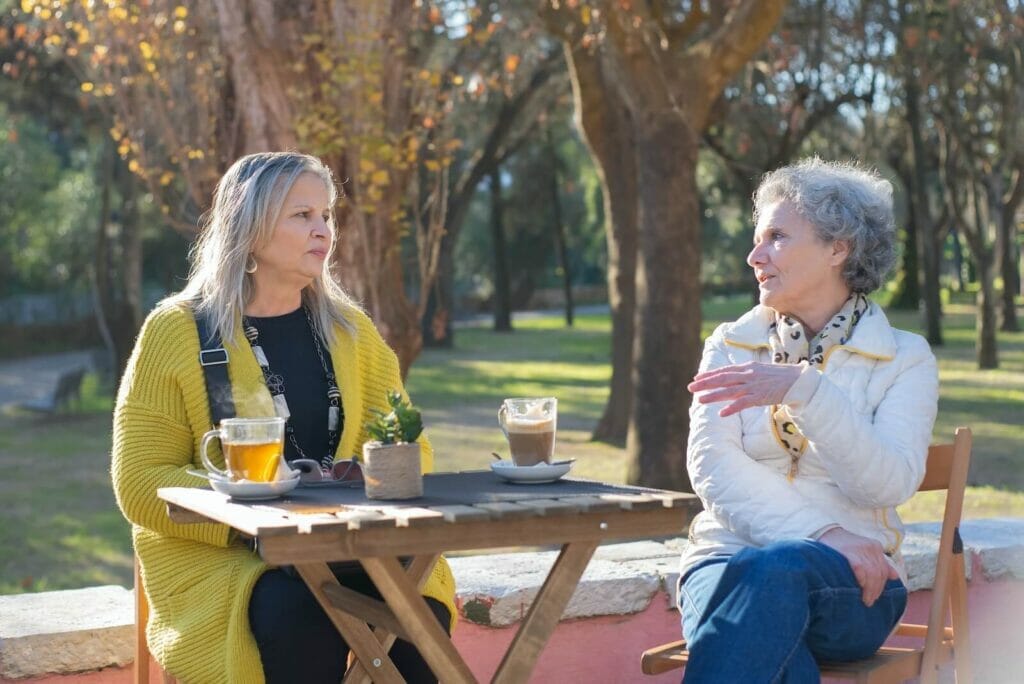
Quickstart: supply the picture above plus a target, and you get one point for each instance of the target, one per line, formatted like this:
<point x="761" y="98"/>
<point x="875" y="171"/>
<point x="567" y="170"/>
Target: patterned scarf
<point x="789" y="344"/>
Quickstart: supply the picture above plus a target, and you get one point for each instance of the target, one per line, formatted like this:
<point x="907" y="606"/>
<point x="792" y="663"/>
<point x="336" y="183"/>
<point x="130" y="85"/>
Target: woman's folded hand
<point x="867" y="559"/>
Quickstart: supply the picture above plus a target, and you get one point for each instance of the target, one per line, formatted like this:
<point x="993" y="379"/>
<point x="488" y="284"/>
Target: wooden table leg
<point x="418" y="572"/>
<point x="412" y="612"/>
<point x="545" y="613"/>
<point x="353" y="630"/>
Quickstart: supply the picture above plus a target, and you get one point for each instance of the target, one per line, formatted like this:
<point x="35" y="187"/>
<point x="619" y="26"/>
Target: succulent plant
<point x="403" y="423"/>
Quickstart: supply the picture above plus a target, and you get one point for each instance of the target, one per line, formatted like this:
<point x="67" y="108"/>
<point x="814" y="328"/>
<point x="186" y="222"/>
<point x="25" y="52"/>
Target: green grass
<point x="61" y="529"/>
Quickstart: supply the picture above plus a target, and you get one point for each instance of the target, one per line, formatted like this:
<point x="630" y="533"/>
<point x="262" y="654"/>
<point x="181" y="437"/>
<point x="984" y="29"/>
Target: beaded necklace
<point x="275" y="383"/>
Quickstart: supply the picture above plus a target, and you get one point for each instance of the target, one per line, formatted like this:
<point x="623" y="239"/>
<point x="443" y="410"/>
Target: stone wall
<point x="623" y="605"/>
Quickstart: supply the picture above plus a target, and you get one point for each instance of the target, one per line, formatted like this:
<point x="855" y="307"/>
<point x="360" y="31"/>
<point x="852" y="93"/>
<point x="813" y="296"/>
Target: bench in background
<point x="67" y="391"/>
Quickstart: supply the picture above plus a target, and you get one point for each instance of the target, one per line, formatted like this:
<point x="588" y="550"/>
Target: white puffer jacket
<point x="867" y="414"/>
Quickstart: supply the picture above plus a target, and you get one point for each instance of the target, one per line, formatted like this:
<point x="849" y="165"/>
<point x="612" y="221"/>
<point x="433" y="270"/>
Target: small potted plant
<point x="391" y="459"/>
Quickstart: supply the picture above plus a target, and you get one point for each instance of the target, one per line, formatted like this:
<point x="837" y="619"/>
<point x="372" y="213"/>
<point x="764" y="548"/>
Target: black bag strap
<point x="213" y="358"/>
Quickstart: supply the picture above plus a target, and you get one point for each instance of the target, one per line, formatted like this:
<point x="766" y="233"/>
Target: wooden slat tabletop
<point x="447" y="498"/>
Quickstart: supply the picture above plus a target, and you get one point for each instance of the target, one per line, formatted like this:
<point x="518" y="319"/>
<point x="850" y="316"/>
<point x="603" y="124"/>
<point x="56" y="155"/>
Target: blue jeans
<point x="766" y="615"/>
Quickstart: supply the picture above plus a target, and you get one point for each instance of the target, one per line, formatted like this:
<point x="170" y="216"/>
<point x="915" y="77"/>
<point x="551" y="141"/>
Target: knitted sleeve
<point x="380" y="373"/>
<point x="153" y="440"/>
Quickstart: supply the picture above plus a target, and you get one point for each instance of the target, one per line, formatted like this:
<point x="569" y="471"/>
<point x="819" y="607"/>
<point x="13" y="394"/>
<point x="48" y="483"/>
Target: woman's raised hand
<point x="745" y="385"/>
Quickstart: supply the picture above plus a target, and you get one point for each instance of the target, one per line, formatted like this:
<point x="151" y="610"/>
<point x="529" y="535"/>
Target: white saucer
<point x="535" y="474"/>
<point x="254" y="491"/>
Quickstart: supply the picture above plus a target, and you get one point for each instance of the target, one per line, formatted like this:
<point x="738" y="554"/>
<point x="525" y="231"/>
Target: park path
<point x="35" y="377"/>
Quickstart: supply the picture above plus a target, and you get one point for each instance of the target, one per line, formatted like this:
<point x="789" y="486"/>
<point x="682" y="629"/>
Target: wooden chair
<point x="946" y="469"/>
<point x="142" y="656"/>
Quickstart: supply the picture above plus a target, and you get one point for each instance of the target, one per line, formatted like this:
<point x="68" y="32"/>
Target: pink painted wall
<point x="607" y="650"/>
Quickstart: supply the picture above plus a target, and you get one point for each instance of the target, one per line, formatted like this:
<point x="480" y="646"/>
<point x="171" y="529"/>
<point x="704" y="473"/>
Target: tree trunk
<point x="437" y="318"/>
<point x="669" y="85"/>
<point x="958" y="259"/>
<point x="908" y="290"/>
<point x="985" y="343"/>
<point x="667" y="344"/>
<point x="101" y="260"/>
<point x="126" y="324"/>
<point x="259" y="78"/>
<point x="502" y="300"/>
<point x="925" y="228"/>
<point x="607" y="129"/>
<point x="118" y="265"/>
<point x="1011" y="278"/>
<point x="561" y="246"/>
<point x="1009" y="254"/>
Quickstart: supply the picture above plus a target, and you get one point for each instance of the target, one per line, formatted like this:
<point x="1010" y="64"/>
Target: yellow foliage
<point x="146" y="49"/>
<point x="134" y="166"/>
<point x="27" y="6"/>
<point x="87" y="87"/>
<point x="585" y="15"/>
<point x="180" y="12"/>
<point x="380" y="178"/>
<point x="432" y="165"/>
<point x="457" y="80"/>
<point x="166" y="177"/>
<point x="366" y="165"/>
<point x="179" y="27"/>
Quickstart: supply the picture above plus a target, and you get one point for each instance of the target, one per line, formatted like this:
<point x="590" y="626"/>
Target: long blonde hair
<point x="246" y="206"/>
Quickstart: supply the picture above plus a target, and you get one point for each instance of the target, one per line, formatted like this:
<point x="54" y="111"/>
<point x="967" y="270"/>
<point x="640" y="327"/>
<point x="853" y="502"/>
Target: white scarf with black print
<point x="789" y="344"/>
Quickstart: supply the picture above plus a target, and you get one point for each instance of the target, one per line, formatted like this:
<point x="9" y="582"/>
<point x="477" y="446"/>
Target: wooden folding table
<point x="311" y="527"/>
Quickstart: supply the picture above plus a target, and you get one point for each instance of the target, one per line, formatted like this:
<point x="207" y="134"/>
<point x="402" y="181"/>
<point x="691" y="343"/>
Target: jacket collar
<point x="872" y="337"/>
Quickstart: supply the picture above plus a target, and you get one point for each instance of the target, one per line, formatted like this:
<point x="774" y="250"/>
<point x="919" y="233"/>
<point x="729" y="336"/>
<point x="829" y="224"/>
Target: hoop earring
<point x="251" y="269"/>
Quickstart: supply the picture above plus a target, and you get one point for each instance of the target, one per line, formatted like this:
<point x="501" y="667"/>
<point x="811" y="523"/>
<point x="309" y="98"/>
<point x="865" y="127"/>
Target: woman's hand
<point x="746" y="385"/>
<point x="867" y="560"/>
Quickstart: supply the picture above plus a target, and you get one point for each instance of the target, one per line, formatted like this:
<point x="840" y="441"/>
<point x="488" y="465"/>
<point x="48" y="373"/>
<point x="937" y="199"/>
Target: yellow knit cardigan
<point x="198" y="584"/>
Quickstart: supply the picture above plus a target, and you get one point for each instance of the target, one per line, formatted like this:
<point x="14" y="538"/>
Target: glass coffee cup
<point x="253" y="449"/>
<point x="529" y="425"/>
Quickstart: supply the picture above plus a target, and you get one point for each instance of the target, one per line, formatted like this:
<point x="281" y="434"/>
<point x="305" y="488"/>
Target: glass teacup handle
<point x="502" y="413"/>
<point x="212" y="434"/>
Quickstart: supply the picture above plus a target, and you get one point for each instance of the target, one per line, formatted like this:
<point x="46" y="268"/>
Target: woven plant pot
<point x="392" y="471"/>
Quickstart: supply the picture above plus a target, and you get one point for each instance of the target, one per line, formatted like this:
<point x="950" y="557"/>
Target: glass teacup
<point x="253" y="449"/>
<point x="529" y="425"/>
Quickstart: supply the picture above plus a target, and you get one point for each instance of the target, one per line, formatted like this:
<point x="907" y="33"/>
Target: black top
<point x="288" y="344"/>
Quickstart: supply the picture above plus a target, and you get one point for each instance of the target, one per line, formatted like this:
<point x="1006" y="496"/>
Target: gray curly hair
<point x="843" y="201"/>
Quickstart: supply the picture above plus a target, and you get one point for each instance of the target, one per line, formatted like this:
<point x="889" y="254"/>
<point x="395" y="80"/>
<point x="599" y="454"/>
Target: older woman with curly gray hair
<point x="828" y="412"/>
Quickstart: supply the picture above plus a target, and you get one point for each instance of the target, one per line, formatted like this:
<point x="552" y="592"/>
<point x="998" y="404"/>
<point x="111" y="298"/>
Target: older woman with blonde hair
<point x="297" y="347"/>
<point x="828" y="412"/>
